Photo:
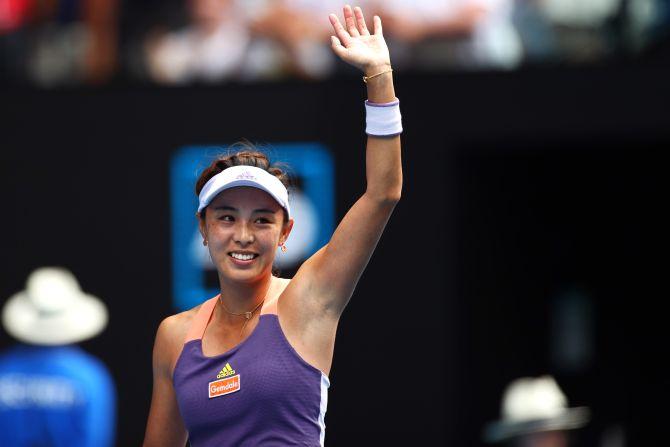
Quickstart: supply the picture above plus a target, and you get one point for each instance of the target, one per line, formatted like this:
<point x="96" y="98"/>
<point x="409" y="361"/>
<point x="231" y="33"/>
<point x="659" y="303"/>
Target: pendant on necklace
<point x="247" y="314"/>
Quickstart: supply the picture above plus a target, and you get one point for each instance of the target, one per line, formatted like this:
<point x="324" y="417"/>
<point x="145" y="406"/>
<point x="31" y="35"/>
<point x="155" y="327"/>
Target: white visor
<point x="244" y="176"/>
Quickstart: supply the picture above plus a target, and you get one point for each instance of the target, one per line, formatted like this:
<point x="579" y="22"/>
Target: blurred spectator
<point x="292" y="37"/>
<point x="535" y="414"/>
<point x="59" y="42"/>
<point x="577" y="31"/>
<point x="452" y="33"/>
<point x="647" y="20"/>
<point x="69" y="42"/>
<point x="100" y="18"/>
<point x="51" y="392"/>
<point x="211" y="47"/>
<point x="246" y="39"/>
<point x="13" y="16"/>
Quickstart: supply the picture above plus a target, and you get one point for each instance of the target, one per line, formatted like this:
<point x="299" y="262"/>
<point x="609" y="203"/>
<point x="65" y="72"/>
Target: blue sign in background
<point x="311" y="163"/>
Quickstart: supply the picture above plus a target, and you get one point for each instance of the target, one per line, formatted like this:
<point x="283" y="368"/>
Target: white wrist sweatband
<point x="383" y="119"/>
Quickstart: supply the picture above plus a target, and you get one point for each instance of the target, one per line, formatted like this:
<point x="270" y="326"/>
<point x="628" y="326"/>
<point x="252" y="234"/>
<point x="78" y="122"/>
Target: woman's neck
<point x="239" y="298"/>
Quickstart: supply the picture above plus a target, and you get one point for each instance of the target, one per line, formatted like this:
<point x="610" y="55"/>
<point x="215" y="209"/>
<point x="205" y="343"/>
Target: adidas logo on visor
<point x="246" y="175"/>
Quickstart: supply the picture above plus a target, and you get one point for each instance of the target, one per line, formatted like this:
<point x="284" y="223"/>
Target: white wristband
<point x="383" y="119"/>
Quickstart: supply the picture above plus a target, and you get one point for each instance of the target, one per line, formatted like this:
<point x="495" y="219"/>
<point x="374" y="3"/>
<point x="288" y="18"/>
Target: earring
<point x="204" y="242"/>
<point x="283" y="248"/>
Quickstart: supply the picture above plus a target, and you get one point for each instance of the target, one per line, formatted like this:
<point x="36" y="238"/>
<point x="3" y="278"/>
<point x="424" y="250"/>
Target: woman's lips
<point x="242" y="258"/>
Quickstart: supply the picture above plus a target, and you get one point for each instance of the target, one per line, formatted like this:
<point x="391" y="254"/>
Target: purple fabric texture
<point x="279" y="398"/>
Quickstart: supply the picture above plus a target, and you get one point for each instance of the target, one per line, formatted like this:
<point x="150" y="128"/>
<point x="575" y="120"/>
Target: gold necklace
<point x="247" y="315"/>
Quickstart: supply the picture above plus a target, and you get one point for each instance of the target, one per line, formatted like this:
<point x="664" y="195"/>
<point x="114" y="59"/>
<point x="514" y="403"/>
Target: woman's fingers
<point x="377" y="25"/>
<point x="342" y="34"/>
<point x="354" y="26"/>
<point x="350" y="21"/>
<point x="337" y="46"/>
<point x="360" y="21"/>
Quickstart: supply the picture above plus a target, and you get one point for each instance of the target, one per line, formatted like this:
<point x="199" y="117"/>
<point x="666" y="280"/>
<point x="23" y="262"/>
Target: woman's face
<point x="243" y="227"/>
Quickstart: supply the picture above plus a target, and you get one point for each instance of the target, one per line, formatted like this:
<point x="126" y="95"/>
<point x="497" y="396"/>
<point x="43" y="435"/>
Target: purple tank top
<point x="259" y="393"/>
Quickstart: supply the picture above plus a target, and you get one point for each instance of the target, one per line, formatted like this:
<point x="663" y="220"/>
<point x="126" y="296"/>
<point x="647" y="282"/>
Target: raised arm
<point x="327" y="280"/>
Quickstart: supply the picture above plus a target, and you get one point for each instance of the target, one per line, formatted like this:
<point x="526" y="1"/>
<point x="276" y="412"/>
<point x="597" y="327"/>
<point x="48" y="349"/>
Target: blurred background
<point x="52" y="43"/>
<point x="530" y="237"/>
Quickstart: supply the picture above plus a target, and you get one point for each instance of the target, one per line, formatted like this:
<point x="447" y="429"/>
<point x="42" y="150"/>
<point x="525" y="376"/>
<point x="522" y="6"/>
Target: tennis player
<point x="250" y="366"/>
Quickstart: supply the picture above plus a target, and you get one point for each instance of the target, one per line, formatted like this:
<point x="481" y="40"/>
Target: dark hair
<point x="246" y="154"/>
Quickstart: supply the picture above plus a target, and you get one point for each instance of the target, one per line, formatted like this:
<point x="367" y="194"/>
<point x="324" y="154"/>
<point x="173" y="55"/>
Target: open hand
<point x="356" y="45"/>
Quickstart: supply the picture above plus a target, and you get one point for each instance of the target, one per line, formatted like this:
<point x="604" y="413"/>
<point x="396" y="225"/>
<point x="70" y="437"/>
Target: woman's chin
<point x="244" y="274"/>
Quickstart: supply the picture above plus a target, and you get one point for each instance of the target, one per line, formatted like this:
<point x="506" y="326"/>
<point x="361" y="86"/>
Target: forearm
<point x="383" y="162"/>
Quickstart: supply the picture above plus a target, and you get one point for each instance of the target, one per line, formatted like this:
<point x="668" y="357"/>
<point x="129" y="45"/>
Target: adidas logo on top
<point x="225" y="372"/>
<point x="226" y="382"/>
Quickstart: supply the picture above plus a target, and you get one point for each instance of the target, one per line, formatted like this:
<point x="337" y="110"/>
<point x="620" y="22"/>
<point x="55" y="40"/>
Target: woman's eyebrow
<point x="231" y="208"/>
<point x="225" y="208"/>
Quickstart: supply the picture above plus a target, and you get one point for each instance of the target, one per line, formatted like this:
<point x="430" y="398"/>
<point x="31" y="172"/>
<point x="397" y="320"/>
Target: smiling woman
<point x="248" y="218"/>
<point x="250" y="366"/>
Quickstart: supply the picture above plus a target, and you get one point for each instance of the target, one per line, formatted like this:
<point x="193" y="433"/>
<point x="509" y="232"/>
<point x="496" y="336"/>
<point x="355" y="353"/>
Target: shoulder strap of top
<point x="199" y="322"/>
<point x="270" y="305"/>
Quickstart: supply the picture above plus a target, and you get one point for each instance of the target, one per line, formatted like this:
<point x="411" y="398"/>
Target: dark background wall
<point x="517" y="187"/>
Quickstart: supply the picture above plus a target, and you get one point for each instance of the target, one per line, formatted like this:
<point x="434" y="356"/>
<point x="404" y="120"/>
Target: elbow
<point x="394" y="193"/>
<point x="387" y="191"/>
<point x="393" y="197"/>
<point x="389" y="197"/>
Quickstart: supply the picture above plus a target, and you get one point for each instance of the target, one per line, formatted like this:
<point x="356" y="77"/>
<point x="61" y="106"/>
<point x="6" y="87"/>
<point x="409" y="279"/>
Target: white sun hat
<point x="53" y="310"/>
<point x="532" y="405"/>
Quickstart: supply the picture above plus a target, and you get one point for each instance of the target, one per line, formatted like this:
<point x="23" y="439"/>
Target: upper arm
<point x="165" y="427"/>
<point x="326" y="281"/>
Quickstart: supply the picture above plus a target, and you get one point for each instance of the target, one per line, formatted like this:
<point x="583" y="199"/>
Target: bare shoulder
<point x="176" y="326"/>
<point x="170" y="338"/>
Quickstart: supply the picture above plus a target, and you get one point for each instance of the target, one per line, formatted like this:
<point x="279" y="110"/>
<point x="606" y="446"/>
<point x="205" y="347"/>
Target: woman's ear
<point x="286" y="230"/>
<point x="203" y="228"/>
